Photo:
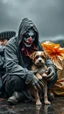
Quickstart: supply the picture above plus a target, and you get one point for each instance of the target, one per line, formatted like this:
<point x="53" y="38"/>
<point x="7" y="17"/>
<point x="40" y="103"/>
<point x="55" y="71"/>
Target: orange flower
<point x="55" y="52"/>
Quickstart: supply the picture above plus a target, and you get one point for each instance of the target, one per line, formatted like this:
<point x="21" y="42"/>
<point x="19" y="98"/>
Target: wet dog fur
<point x="39" y="58"/>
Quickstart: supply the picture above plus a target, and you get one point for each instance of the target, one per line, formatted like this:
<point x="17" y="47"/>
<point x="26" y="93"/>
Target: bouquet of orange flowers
<point x="55" y="52"/>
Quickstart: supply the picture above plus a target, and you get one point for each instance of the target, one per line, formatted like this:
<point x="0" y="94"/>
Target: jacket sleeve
<point x="12" y="64"/>
<point x="52" y="80"/>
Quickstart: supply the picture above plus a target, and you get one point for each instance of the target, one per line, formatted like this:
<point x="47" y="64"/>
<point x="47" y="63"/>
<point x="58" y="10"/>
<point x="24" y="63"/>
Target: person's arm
<point x="1" y="57"/>
<point x="12" y="64"/>
<point x="52" y="71"/>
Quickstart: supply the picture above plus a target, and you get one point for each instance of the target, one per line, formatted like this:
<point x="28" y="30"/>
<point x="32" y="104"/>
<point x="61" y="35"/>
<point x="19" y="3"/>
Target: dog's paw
<point x="38" y="102"/>
<point x="47" y="102"/>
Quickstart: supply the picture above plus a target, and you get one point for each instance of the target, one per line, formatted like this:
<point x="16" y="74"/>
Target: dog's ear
<point x="46" y="55"/>
<point x="32" y="56"/>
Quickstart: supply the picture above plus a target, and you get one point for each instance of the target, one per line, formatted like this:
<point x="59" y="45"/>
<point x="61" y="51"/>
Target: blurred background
<point x="47" y="15"/>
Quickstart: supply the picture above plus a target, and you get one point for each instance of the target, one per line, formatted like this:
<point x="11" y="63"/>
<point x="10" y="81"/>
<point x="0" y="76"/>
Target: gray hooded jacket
<point x="16" y="63"/>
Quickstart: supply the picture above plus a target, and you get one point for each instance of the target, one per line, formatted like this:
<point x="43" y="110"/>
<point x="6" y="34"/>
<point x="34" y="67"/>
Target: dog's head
<point x="38" y="57"/>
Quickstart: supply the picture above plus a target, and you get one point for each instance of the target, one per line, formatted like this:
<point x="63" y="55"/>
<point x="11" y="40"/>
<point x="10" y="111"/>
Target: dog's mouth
<point x="40" y="64"/>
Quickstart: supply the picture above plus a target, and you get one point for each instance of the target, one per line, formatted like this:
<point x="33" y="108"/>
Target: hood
<point x="25" y="25"/>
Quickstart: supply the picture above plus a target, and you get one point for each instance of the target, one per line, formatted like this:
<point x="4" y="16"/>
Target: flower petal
<point x="55" y="52"/>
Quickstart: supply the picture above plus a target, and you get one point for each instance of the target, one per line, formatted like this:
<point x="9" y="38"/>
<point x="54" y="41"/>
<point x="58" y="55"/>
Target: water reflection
<point x="56" y="107"/>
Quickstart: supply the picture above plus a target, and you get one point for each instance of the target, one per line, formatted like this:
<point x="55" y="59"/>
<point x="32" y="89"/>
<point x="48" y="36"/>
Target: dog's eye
<point x="37" y="57"/>
<point x="43" y="57"/>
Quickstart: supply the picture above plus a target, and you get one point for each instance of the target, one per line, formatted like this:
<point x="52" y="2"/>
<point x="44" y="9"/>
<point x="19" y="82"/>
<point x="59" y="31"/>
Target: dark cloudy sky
<point x="48" y="16"/>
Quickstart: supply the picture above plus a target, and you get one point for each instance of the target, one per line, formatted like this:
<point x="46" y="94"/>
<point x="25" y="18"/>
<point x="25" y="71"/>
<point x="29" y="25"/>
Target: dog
<point x="39" y="58"/>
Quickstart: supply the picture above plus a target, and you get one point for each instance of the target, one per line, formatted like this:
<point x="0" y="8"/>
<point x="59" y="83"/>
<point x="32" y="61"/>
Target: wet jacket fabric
<point x="16" y="63"/>
<point x="2" y="69"/>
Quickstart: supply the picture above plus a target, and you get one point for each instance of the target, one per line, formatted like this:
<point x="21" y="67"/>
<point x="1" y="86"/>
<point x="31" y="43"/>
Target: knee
<point x="19" y="82"/>
<point x="14" y="83"/>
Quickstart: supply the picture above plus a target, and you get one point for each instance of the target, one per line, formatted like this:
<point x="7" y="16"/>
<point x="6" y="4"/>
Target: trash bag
<point x="58" y="88"/>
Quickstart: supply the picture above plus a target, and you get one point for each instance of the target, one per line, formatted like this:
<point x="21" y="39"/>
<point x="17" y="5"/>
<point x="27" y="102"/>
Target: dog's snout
<point x="40" y="61"/>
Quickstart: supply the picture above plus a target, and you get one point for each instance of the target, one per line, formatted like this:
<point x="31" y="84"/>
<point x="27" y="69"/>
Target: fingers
<point x="38" y="86"/>
<point x="47" y="71"/>
<point x="41" y="83"/>
<point x="50" y="75"/>
<point x="35" y="87"/>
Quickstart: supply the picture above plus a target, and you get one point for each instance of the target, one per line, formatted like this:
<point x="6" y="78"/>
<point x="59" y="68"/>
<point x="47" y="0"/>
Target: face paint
<point x="29" y="38"/>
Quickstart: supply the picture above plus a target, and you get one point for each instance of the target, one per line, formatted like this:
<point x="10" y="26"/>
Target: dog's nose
<point x="40" y="61"/>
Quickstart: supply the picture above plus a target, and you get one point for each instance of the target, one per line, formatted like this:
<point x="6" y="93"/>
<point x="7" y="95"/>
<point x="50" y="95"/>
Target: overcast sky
<point x="47" y="15"/>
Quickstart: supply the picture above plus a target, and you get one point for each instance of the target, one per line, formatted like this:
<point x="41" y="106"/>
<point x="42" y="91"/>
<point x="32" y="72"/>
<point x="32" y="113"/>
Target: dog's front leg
<point x="38" y="102"/>
<point x="45" y="93"/>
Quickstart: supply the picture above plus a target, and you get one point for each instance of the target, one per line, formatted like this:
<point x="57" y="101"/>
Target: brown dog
<point x="39" y="58"/>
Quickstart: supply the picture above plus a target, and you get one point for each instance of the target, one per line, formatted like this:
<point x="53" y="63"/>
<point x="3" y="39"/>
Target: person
<point x="4" y="37"/>
<point x="18" y="63"/>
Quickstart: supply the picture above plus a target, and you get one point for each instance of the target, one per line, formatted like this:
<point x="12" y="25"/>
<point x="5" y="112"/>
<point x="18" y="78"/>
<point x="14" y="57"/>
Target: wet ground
<point x="56" y="107"/>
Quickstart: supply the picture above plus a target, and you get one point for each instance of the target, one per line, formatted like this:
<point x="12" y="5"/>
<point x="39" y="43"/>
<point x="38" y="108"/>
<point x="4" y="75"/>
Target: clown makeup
<point x="29" y="38"/>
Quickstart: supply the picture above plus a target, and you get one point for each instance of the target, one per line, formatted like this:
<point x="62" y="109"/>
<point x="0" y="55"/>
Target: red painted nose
<point x="30" y="40"/>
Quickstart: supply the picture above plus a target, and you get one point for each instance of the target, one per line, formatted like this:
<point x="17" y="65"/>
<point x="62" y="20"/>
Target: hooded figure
<point x="18" y="63"/>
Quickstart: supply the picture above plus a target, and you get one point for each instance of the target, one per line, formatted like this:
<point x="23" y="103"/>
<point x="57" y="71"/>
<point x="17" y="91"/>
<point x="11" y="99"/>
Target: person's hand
<point x="36" y="83"/>
<point x="51" y="73"/>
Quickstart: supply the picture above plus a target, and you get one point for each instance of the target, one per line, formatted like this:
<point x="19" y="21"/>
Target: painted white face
<point x="29" y="38"/>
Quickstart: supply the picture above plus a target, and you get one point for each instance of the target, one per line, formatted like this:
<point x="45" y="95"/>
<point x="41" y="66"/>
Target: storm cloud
<point x="47" y="15"/>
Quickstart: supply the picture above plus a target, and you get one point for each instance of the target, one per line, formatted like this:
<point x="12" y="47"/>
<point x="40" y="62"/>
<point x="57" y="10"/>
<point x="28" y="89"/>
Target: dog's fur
<point x="39" y="58"/>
